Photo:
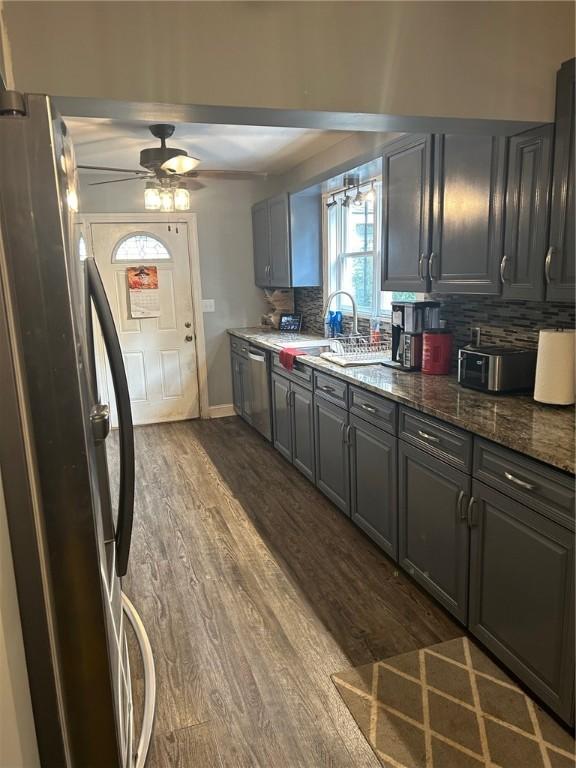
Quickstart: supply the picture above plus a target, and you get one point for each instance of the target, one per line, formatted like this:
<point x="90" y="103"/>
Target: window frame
<point x="140" y="233"/>
<point x="334" y="256"/>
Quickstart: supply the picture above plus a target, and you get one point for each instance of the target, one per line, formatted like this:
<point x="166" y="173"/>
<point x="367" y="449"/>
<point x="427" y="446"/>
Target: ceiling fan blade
<point x="231" y="175"/>
<point x="115" y="181"/>
<point x="195" y="185"/>
<point x="112" y="170"/>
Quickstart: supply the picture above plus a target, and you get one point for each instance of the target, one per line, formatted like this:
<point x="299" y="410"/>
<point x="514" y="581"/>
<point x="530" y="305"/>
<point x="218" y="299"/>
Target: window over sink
<point x="352" y="250"/>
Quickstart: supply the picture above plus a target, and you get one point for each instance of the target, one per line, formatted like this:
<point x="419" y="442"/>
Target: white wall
<point x="451" y="59"/>
<point x="18" y="748"/>
<point x="223" y="209"/>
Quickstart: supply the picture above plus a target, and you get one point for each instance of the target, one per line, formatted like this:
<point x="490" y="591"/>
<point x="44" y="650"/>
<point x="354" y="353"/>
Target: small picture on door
<point x="143" y="293"/>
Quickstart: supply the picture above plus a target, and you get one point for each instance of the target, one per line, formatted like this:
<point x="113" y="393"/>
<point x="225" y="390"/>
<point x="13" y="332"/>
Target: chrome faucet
<point x="354" y="309"/>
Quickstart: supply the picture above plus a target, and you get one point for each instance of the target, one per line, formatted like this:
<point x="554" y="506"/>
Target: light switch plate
<point x="208" y="305"/>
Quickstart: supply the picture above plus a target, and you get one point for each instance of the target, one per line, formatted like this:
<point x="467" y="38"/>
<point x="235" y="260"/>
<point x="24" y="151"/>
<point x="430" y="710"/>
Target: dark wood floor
<point x="254" y="589"/>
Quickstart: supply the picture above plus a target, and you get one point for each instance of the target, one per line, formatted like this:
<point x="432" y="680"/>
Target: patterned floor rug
<point x="450" y="706"/>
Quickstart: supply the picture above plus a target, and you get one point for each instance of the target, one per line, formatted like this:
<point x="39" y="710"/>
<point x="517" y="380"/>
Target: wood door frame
<point x="191" y="221"/>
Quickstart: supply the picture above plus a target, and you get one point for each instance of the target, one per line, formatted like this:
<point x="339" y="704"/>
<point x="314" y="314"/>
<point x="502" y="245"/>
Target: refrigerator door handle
<point x="126" y="429"/>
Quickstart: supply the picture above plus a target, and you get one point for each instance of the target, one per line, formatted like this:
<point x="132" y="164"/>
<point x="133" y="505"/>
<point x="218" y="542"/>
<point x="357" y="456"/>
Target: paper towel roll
<point x="555" y="367"/>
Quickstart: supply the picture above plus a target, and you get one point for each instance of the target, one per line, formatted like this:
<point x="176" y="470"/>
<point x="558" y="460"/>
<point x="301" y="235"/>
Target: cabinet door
<point x="467" y="240"/>
<point x="281" y="419"/>
<point x="302" y="430"/>
<point x="332" y="467"/>
<point x="433" y="531"/>
<point x="261" y="242"/>
<point x="373" y="498"/>
<point x="522" y="594"/>
<point x="279" y="242"/>
<point x="527" y="200"/>
<point x="236" y="383"/>
<point x="560" y="271"/>
<point x="246" y="388"/>
<point x="406" y="201"/>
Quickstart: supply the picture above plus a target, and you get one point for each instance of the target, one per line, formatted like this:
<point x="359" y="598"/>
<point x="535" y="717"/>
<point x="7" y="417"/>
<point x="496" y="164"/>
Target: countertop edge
<point x="313" y="362"/>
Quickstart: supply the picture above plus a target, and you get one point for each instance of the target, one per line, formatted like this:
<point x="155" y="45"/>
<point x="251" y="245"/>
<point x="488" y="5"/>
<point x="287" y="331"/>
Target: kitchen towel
<point x="555" y="367"/>
<point x="288" y="355"/>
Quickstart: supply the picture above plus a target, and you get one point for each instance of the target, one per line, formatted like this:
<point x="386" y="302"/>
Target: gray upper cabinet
<point x="261" y="241"/>
<point x="332" y="464"/>
<point x="560" y="271"/>
<point x="527" y="208"/>
<point x="433" y="529"/>
<point x="468" y="211"/>
<point x="373" y="483"/>
<point x="406" y="209"/>
<point x="286" y="232"/>
<point x="522" y="594"/>
<point x="279" y="242"/>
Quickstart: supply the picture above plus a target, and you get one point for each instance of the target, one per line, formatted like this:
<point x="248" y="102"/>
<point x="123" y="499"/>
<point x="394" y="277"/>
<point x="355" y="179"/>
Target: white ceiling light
<point x="181" y="198"/>
<point x="182" y="163"/>
<point x="166" y="200"/>
<point x="152" y="196"/>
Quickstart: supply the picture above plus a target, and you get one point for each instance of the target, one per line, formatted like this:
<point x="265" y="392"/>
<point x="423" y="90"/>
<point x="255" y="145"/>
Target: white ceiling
<point x="219" y="147"/>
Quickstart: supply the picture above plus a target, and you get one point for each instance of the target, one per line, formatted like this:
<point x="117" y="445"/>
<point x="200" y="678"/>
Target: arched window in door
<point x="140" y="247"/>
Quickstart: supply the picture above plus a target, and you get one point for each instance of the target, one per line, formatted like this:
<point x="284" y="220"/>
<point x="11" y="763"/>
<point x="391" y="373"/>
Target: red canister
<point x="437" y="351"/>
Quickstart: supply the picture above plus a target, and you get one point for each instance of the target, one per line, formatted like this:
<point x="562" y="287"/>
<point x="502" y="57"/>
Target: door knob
<point x="189" y="337"/>
<point x="187" y="324"/>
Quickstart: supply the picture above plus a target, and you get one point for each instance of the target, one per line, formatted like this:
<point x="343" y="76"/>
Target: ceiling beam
<point x="74" y="106"/>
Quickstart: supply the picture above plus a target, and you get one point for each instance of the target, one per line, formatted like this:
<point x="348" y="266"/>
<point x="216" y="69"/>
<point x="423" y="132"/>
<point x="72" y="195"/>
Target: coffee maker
<point x="409" y="320"/>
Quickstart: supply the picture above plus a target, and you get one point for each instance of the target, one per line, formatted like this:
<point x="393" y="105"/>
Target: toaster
<point x="497" y="369"/>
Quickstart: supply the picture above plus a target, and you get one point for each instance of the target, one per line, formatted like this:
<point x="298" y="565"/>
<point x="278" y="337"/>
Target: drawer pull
<point x="368" y="408"/>
<point x="327" y="388"/>
<point x="521" y="483"/>
<point x="430" y="438"/>
<point x="471" y="514"/>
<point x="460" y="506"/>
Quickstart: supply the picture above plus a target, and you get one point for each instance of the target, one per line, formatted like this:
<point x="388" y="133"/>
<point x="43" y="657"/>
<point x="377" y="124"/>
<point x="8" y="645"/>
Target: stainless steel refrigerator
<point x="70" y="539"/>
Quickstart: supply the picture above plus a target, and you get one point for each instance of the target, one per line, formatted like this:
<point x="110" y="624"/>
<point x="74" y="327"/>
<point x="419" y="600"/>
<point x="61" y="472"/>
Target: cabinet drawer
<point x="539" y="487"/>
<point x="438" y="438"/>
<point x="374" y="409"/>
<point x="331" y="388"/>
<point x="240" y="346"/>
<point x="300" y="373"/>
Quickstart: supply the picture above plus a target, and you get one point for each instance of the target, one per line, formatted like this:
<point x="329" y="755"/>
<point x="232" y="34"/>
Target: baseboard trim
<point x="219" y="411"/>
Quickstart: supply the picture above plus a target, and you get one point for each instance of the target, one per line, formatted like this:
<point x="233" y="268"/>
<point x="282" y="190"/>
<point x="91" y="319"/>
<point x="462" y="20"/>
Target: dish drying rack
<point x="358" y="350"/>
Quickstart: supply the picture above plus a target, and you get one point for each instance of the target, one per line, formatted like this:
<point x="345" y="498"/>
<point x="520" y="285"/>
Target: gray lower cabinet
<point x="302" y="419"/>
<point x="432" y="526"/>
<point x="281" y="416"/>
<point x="527" y="206"/>
<point x="373" y="486"/>
<point x="522" y="594"/>
<point x="331" y="446"/>
<point x="293" y="424"/>
<point x="236" y="382"/>
<point x="468" y="213"/>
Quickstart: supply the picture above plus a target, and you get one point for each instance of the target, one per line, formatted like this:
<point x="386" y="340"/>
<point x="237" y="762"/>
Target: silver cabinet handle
<point x="521" y="483"/>
<point x="421" y="275"/>
<point x="346" y="429"/>
<point x="426" y="436"/>
<point x="503" y="269"/>
<point x="257" y="358"/>
<point x="548" y="265"/>
<point x="460" y="507"/>
<point x="471" y="514"/>
<point x="431" y="266"/>
<point x="368" y="408"/>
<point x="326" y="388"/>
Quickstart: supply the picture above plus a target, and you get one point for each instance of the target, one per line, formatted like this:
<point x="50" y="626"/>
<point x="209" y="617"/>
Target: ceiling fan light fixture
<point x="179" y="164"/>
<point x="182" y="198"/>
<point x="166" y="200"/>
<point x="152" y="197"/>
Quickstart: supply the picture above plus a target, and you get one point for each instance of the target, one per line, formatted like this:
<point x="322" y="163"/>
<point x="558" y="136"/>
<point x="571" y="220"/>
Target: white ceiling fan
<point x="170" y="173"/>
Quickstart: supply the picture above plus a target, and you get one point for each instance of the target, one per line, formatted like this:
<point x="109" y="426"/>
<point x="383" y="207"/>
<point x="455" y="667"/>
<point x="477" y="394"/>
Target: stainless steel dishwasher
<point x="260" y="391"/>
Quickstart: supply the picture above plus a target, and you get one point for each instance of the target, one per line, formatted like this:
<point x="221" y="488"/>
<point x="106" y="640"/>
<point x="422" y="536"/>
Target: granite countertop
<point x="543" y="432"/>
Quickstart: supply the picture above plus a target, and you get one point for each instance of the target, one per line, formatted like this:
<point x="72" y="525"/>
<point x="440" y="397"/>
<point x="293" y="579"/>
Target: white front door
<point x="159" y="352"/>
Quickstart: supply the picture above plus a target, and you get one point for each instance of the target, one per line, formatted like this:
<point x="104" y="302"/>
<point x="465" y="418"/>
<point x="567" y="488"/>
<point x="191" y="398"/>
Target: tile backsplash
<point x="509" y="323"/>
